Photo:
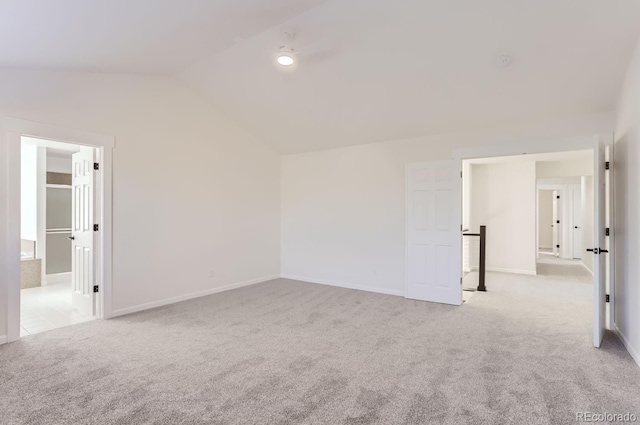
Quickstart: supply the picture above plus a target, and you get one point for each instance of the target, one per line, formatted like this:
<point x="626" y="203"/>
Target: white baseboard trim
<point x="173" y="300"/>
<point x="344" y="285"/>
<point x="57" y="278"/>
<point x="514" y="271"/>
<point x="634" y="354"/>
<point x="3" y="339"/>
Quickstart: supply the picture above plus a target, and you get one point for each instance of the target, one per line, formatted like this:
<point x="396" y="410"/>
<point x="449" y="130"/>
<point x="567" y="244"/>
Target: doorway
<point x="56" y="267"/>
<point x="90" y="282"/>
<point x="443" y="276"/>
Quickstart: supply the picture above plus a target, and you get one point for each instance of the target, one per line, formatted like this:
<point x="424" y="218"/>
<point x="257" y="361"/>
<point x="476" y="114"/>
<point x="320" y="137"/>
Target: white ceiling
<point x="131" y="36"/>
<point x="398" y="69"/>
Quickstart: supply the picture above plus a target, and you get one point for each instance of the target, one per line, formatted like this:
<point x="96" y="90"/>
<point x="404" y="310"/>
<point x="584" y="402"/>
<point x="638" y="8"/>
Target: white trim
<point x="3" y="339"/>
<point x="634" y="354"/>
<point x="58" y="278"/>
<point x="12" y="131"/>
<point x="512" y="271"/>
<point x="173" y="300"/>
<point x="55" y="133"/>
<point x="523" y="148"/>
<point x="344" y="285"/>
<point x="58" y="186"/>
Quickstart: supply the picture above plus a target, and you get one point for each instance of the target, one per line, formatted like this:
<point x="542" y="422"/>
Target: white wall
<point x="586" y="197"/>
<point x="467" y="178"/>
<point x="29" y="193"/>
<point x="33" y="195"/>
<point x="545" y="218"/>
<point x="343" y="209"/>
<point x="577" y="167"/>
<point x="504" y="199"/>
<point x="192" y="192"/>
<point x="627" y="201"/>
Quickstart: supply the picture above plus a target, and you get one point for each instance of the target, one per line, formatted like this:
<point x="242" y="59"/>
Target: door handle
<point x="71" y="238"/>
<point x="590" y="249"/>
<point x="575" y="227"/>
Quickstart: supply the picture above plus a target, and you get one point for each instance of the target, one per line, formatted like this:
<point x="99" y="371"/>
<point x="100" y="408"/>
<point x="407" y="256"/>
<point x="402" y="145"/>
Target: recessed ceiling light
<point x="503" y="61"/>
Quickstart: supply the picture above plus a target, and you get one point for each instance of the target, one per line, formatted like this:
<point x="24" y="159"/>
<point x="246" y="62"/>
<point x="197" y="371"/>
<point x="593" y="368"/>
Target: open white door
<point x="434" y="238"/>
<point x="82" y="231"/>
<point x="599" y="236"/>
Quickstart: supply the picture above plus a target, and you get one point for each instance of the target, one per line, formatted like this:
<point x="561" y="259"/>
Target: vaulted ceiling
<point x="394" y="69"/>
<point x="131" y="36"/>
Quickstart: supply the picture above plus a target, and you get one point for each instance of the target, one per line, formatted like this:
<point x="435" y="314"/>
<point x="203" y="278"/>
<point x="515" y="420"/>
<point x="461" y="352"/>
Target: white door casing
<point x="82" y="256"/>
<point x="434" y="237"/>
<point x="556" y="224"/>
<point x="599" y="236"/>
<point x="611" y="238"/>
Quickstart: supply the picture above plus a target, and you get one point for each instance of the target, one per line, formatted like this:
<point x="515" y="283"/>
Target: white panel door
<point x="599" y="236"/>
<point x="82" y="231"/>
<point x="556" y="223"/>
<point x="434" y="237"/>
<point x="577" y="223"/>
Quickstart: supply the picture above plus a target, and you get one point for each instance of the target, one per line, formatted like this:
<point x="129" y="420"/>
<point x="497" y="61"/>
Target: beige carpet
<point x="287" y="352"/>
<point x="563" y="269"/>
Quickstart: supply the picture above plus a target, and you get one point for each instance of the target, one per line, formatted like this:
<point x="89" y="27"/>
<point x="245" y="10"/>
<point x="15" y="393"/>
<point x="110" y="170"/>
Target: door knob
<point x="575" y="227"/>
<point x="71" y="238"/>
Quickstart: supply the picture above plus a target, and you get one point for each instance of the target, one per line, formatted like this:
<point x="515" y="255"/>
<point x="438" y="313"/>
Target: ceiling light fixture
<point x="286" y="56"/>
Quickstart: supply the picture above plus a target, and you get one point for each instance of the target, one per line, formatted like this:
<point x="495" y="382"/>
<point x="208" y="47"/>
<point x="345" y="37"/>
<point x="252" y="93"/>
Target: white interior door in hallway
<point x="556" y="223"/>
<point x="576" y="210"/>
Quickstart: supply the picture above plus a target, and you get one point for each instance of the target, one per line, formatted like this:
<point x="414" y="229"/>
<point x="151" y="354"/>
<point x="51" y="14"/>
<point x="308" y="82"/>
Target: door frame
<point x="566" y="216"/>
<point x="587" y="142"/>
<point x="11" y="131"/>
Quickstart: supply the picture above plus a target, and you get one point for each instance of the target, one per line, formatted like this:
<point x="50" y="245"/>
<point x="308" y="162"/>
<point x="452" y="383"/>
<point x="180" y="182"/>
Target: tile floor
<point x="48" y="307"/>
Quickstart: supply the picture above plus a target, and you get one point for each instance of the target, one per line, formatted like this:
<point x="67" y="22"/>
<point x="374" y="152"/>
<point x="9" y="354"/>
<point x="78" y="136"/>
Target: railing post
<point x="483" y="252"/>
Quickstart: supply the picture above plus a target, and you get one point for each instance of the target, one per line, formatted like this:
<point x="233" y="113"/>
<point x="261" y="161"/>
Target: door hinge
<point x="460" y="281"/>
<point x="96" y="166"/>
<point x="606" y="298"/>
<point x="460" y="174"/>
<point x="95" y="288"/>
<point x="606" y="165"/>
<point x="606" y="231"/>
<point x="96" y="227"/>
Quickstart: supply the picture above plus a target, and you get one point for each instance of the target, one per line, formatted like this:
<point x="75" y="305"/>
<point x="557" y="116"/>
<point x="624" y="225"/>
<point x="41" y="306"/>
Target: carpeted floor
<point x="565" y="270"/>
<point x="287" y="352"/>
